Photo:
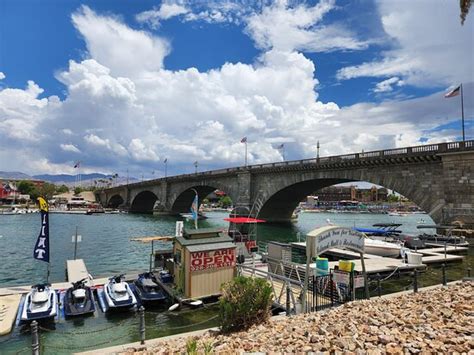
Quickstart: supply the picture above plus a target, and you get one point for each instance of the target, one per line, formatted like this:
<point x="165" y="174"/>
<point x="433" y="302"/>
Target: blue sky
<point x="125" y="84"/>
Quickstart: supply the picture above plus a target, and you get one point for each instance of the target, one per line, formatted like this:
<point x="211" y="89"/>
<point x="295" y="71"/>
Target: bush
<point x="244" y="302"/>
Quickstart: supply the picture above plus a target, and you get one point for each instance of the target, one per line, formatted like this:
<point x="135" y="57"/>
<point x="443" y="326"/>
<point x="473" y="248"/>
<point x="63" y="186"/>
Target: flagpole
<point x="462" y="115"/>
<point x="245" y="152"/>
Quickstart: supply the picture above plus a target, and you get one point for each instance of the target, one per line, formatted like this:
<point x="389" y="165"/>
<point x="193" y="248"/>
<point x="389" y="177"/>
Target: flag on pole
<point x="41" y="250"/>
<point x="454" y="92"/>
<point x="243" y="140"/>
<point x="281" y="146"/>
<point x="77" y="165"/>
<point x="165" y="161"/>
<point x="194" y="209"/>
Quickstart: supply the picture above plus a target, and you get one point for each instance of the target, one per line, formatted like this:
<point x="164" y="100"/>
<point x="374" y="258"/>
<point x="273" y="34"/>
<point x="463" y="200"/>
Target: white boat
<point x="382" y="248"/>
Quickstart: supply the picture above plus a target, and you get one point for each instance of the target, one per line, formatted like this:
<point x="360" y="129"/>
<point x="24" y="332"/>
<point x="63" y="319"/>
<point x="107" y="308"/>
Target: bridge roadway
<point x="437" y="177"/>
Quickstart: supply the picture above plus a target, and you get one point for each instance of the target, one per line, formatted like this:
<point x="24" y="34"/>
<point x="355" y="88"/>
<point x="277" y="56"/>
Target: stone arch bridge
<point x="439" y="178"/>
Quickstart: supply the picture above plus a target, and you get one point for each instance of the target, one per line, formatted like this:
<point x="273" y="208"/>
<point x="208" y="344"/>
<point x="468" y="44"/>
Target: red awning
<point x="241" y="220"/>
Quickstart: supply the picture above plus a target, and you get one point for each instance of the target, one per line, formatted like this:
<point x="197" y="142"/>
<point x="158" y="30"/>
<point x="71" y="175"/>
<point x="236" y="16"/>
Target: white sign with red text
<point x="214" y="259"/>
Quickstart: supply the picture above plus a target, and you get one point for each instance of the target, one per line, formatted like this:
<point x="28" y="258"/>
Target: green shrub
<point x="191" y="346"/>
<point x="244" y="302"/>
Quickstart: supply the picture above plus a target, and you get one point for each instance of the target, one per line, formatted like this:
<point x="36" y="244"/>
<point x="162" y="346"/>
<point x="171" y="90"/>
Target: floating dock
<point x="76" y="270"/>
<point x="8" y="310"/>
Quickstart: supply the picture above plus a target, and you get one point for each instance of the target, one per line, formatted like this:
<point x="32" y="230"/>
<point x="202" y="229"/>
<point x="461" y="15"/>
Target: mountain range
<point x="59" y="179"/>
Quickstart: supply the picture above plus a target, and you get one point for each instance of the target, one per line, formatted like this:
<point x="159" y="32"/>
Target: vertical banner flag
<point x="41" y="251"/>
<point x="194" y="208"/>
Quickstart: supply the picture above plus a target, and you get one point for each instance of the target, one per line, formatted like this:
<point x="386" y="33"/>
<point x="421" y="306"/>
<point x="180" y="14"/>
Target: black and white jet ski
<point x="148" y="290"/>
<point x="40" y="303"/>
<point x="79" y="299"/>
<point x="117" y="294"/>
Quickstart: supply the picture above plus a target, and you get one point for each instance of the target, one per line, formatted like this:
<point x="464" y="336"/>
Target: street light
<point x="166" y="166"/>
<point x="196" y="167"/>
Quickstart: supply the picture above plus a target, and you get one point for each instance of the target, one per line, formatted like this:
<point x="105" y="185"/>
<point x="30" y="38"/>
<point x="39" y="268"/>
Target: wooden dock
<point x="76" y="270"/>
<point x="8" y="310"/>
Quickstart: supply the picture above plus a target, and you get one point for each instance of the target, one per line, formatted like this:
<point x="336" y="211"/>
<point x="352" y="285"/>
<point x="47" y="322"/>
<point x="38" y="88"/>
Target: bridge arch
<point x="115" y="201"/>
<point x="279" y="205"/>
<point x="143" y="202"/>
<point x="183" y="197"/>
<point x="279" y="197"/>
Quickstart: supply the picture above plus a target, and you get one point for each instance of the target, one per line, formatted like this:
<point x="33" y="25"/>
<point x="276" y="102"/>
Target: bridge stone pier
<point x="439" y="178"/>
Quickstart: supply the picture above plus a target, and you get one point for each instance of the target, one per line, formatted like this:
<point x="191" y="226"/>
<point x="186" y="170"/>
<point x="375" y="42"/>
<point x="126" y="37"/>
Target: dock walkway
<point x="76" y="270"/>
<point x="8" y="309"/>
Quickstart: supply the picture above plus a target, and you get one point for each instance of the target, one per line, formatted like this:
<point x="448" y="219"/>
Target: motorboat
<point x="441" y="239"/>
<point x="118" y="294"/>
<point x="148" y="290"/>
<point x="381" y="248"/>
<point x="79" y="299"/>
<point x="389" y="232"/>
<point x="40" y="303"/>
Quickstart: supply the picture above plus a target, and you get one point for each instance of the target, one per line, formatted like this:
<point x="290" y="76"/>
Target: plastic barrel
<point x="346" y="265"/>
<point x="322" y="266"/>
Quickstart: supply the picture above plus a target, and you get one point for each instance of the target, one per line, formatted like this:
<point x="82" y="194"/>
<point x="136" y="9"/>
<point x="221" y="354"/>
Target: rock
<point x="393" y="348"/>
<point x="385" y="339"/>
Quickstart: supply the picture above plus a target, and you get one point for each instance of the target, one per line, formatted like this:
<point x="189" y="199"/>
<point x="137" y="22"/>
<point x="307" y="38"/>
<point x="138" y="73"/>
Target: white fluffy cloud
<point x="124" y="51"/>
<point x="298" y="28"/>
<point x="430" y="45"/>
<point x="130" y="114"/>
<point x="387" y="85"/>
<point x="164" y="12"/>
<point x="69" y="148"/>
<point x="2" y="75"/>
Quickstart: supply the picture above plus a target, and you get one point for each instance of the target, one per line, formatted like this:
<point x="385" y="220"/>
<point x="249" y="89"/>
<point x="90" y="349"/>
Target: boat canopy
<point x="373" y="230"/>
<point x="386" y="225"/>
<point x="243" y="220"/>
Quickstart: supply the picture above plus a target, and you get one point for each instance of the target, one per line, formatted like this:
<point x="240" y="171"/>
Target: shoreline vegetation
<point x="438" y="320"/>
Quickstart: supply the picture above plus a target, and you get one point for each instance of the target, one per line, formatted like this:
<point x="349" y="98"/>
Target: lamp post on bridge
<point x="196" y="167"/>
<point x="166" y="166"/>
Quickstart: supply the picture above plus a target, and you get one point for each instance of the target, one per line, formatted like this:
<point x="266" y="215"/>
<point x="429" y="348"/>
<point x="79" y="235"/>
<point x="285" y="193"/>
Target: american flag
<point x="77" y="164"/>
<point x="454" y="92"/>
<point x="165" y="161"/>
<point x="243" y="140"/>
<point x="281" y="146"/>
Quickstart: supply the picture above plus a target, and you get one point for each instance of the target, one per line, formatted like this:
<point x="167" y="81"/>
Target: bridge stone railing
<point x="422" y="150"/>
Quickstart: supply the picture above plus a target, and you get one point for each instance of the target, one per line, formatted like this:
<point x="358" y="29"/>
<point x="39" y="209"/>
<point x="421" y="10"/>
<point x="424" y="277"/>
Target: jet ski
<point x="117" y="294"/>
<point x="79" y="299"/>
<point x="40" y="303"/>
<point x="148" y="290"/>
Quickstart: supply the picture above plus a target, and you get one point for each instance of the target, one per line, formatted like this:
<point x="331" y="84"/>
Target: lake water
<point x="106" y="249"/>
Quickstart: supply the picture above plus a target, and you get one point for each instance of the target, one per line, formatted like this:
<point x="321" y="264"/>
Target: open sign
<point x="212" y="259"/>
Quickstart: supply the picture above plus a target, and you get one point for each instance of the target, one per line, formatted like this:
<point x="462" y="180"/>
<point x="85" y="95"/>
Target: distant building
<point x="333" y="194"/>
<point x="9" y="192"/>
<point x="70" y="200"/>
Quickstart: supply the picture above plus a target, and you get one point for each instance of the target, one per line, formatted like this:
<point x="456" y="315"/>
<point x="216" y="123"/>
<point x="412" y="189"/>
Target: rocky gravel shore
<point x="440" y="320"/>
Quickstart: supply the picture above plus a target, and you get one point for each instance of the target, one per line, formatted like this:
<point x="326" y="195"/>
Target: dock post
<point x="331" y="290"/>
<point x="35" y="345"/>
<point x="379" y="286"/>
<point x="288" y="300"/>
<point x="415" y="280"/>
<point x="141" y="310"/>
<point x="444" y="274"/>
